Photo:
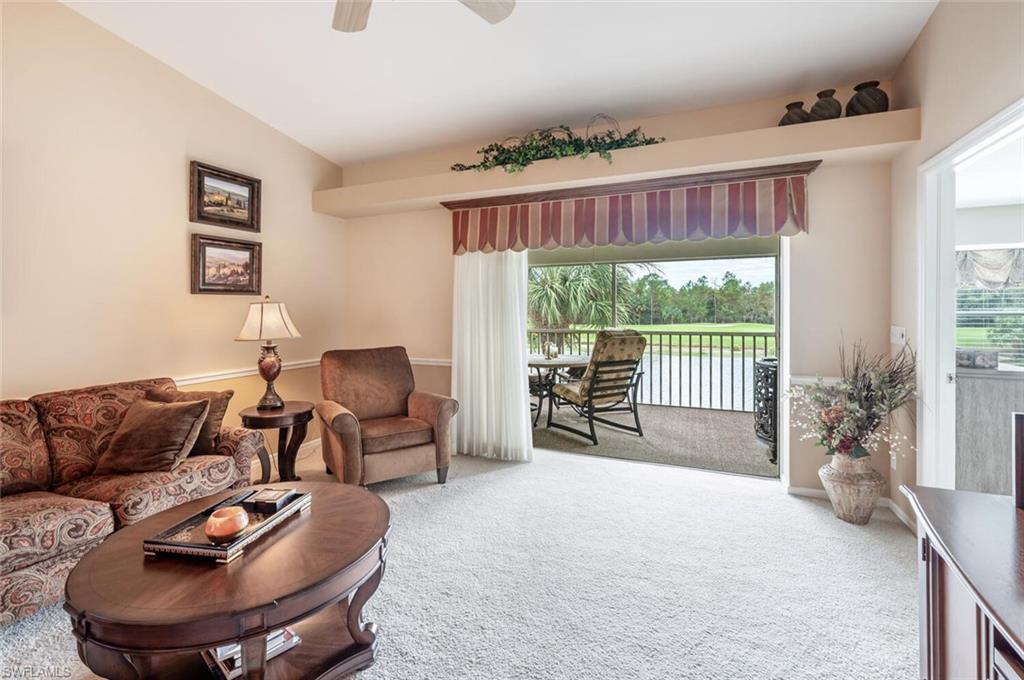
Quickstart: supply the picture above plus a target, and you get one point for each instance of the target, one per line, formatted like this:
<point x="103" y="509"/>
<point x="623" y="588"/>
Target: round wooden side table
<point x="293" y="416"/>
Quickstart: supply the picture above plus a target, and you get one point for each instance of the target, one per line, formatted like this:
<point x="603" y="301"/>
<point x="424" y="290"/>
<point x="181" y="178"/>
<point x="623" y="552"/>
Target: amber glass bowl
<point x="226" y="524"/>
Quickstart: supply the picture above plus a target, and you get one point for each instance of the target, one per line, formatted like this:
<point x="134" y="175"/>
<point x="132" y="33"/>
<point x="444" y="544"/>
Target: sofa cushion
<point x="153" y="436"/>
<point x="388" y="434"/>
<point x="209" y="436"/>
<point x="136" y="496"/>
<point x="38" y="525"/>
<point x="372" y="383"/>
<point x="24" y="458"/>
<point x="78" y="424"/>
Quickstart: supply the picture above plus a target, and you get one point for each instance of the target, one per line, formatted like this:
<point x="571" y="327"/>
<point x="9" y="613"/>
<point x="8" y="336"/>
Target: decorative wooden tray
<point x="188" y="538"/>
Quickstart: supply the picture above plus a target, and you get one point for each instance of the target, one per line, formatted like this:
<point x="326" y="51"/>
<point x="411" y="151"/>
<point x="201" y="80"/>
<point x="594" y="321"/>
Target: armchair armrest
<point x="337" y="417"/>
<point x="438" y="411"/>
<point x="432" y="408"/>
<point x="341" y="441"/>
<point x="242" y="444"/>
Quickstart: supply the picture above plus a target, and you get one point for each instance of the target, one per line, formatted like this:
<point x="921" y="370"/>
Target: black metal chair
<point x="608" y="385"/>
<point x="539" y="390"/>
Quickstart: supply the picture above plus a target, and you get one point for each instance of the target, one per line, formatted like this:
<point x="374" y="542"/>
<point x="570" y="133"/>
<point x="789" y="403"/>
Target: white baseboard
<point x="807" y="491"/>
<point x="903" y="517"/>
<point x="883" y="502"/>
<point x="307" y="449"/>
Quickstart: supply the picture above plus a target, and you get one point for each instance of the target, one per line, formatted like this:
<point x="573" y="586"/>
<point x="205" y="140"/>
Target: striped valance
<point x="740" y="209"/>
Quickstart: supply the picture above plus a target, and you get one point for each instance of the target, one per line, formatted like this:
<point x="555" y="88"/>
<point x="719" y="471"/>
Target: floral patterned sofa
<point x="53" y="510"/>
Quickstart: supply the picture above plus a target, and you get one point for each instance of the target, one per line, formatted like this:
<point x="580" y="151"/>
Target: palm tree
<point x="581" y="295"/>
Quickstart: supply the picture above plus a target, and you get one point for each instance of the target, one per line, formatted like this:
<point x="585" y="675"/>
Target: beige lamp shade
<point x="268" y="321"/>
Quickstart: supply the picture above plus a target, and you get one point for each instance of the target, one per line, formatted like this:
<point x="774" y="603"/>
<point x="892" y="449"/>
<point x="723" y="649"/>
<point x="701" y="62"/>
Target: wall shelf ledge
<point x="861" y="139"/>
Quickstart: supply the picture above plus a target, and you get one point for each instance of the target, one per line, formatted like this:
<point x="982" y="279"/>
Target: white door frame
<point x="936" y="290"/>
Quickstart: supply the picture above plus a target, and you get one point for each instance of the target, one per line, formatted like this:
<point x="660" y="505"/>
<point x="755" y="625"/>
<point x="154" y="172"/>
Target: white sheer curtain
<point x="489" y="372"/>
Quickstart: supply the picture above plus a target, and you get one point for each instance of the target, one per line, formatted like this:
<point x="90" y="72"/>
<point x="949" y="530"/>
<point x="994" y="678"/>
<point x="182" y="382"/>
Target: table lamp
<point x="268" y="321"/>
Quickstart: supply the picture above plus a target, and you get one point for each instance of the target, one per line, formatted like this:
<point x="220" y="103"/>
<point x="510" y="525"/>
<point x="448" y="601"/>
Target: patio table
<point x="547" y="370"/>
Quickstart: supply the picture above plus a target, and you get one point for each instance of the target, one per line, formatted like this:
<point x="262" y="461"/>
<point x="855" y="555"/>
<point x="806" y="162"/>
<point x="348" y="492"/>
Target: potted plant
<point x="851" y="418"/>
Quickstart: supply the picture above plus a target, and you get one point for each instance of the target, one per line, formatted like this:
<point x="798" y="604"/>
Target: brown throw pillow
<point x="209" y="436"/>
<point x="153" y="437"/>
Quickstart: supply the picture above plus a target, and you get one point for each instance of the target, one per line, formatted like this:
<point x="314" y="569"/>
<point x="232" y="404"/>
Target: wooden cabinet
<point x="971" y="584"/>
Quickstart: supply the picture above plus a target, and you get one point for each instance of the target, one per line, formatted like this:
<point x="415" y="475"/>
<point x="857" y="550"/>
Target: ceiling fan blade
<point x="492" y="11"/>
<point x="350" y="16"/>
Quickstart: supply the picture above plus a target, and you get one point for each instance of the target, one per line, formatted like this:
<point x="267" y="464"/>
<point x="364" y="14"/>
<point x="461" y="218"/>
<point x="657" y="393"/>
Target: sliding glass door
<point x="706" y="321"/>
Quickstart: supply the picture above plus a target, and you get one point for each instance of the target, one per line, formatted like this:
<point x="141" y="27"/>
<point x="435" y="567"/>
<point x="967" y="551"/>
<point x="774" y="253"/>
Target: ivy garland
<point x="515" y="153"/>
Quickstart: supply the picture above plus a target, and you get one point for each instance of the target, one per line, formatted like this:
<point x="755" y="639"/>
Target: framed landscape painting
<point x="223" y="198"/>
<point x="223" y="265"/>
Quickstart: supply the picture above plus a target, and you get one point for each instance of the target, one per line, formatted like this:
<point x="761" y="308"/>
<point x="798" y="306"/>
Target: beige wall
<point x="839" y="287"/>
<point x="751" y="115"/>
<point x="399" y="274"/>
<point x="97" y="137"/>
<point x="302" y="384"/>
<point x="839" y="276"/>
<point x="398" y="271"/>
<point x="966" y="65"/>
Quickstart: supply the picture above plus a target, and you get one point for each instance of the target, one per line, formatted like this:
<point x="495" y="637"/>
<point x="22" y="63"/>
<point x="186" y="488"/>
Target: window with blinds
<point x="990" y="308"/>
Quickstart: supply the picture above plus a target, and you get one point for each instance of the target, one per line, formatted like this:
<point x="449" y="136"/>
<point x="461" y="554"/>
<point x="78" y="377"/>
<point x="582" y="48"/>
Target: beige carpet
<point x="698" y="438"/>
<point x="586" y="567"/>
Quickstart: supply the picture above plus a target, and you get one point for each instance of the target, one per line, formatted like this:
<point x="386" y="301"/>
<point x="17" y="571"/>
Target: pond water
<point x="704" y="381"/>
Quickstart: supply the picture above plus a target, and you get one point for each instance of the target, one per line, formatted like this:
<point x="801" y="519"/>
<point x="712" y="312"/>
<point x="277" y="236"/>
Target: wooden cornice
<point x="640" y="186"/>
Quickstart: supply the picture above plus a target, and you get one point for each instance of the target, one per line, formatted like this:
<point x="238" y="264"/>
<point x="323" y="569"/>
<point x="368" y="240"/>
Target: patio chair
<point x="608" y="385"/>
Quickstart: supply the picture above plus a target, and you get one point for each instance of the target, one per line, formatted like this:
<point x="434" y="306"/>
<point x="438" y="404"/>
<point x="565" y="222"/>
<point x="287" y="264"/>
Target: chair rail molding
<point x="233" y="374"/>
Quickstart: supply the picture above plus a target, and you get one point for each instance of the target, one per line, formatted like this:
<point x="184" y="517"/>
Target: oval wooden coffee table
<point x="147" y="617"/>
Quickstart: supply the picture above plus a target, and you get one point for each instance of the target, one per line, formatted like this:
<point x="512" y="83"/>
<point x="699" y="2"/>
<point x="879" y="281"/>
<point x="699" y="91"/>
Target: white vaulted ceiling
<point x="427" y="74"/>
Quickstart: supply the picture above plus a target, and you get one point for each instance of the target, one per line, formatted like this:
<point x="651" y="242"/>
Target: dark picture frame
<point x="223" y="198"/>
<point x="226" y="266"/>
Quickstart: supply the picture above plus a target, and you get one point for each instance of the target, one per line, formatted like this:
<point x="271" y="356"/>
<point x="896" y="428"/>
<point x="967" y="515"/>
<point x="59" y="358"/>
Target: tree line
<point x="581" y="295"/>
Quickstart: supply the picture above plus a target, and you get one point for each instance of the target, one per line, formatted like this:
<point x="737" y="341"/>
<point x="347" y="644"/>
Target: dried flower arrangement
<point x="853" y="416"/>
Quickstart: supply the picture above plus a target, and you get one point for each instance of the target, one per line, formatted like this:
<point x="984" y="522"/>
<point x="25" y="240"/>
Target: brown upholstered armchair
<point x="374" y="424"/>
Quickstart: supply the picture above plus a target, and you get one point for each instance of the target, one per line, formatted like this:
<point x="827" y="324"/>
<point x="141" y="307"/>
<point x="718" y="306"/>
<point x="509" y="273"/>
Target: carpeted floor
<point x="587" y="567"/>
<point x="697" y="438"/>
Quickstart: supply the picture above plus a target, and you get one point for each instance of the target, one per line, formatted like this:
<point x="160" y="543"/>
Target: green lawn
<point x="705" y="327"/>
<point x="965" y="337"/>
<point x="705" y="344"/>
<point x="972" y="337"/>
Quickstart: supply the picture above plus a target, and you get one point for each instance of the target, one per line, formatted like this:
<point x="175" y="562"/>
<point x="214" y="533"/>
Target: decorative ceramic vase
<point x="868" y="98"/>
<point x="827" y="106"/>
<point x="795" y="114"/>
<point x="226" y="524"/>
<point x="853" y="486"/>
<point x="269" y="367"/>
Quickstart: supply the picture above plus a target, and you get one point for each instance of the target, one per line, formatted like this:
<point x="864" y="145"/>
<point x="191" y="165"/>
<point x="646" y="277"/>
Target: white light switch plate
<point x="898" y="335"/>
